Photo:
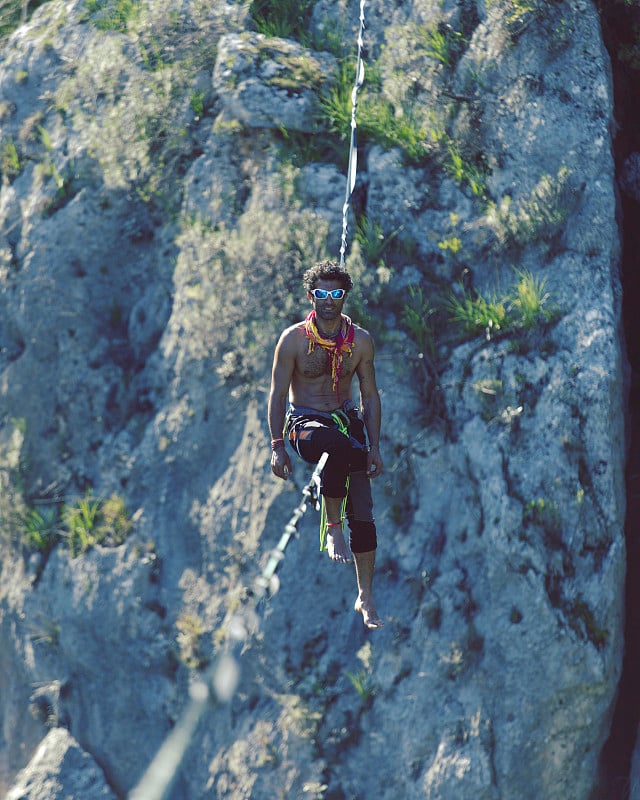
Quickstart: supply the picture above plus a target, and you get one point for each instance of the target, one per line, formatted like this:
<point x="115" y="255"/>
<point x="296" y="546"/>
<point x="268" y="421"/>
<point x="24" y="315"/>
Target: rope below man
<point x="313" y="369"/>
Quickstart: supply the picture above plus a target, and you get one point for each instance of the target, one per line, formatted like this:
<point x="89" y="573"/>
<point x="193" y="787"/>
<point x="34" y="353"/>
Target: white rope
<point x="353" y="148"/>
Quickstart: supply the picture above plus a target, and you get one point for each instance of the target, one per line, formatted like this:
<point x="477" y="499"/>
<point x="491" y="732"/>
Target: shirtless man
<point x="313" y="368"/>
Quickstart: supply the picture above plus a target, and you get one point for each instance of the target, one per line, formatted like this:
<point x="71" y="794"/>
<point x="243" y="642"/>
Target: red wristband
<point x="277" y="444"/>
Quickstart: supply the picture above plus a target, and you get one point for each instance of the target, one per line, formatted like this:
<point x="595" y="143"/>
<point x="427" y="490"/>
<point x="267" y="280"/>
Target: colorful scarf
<point x="336" y="348"/>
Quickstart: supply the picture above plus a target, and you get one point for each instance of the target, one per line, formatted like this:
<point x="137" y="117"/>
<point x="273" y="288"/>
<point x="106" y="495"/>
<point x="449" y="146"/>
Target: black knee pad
<point x="363" y="537"/>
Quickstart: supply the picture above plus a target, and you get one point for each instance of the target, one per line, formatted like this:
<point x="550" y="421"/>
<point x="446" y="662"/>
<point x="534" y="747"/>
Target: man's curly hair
<point x="328" y="271"/>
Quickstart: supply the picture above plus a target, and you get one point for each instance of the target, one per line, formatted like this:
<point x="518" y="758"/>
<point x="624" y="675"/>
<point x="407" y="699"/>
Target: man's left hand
<point x="374" y="462"/>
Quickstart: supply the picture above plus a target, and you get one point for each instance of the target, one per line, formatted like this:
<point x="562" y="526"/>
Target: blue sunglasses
<point x="324" y="294"/>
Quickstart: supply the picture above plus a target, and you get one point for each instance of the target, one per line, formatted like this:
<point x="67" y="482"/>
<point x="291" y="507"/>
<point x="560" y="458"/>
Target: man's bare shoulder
<point x="362" y="338"/>
<point x="292" y="334"/>
<point x="360" y="331"/>
<point x="292" y="330"/>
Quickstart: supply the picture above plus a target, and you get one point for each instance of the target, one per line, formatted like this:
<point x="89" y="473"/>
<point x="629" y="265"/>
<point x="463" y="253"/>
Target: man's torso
<point x="311" y="383"/>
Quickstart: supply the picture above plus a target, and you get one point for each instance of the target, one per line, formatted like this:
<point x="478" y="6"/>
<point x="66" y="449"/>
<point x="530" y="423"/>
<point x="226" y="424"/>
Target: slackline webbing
<point x="219" y="682"/>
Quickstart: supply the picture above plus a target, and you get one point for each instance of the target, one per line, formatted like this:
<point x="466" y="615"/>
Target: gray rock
<point x="137" y="331"/>
<point x="271" y="83"/>
<point x="60" y="769"/>
<point x="147" y="321"/>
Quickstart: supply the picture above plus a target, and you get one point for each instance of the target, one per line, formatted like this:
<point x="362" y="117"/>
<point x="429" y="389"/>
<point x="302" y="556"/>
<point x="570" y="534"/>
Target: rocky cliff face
<point x="168" y="173"/>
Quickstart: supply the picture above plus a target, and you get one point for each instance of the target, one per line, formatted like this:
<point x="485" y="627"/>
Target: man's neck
<point x="329" y="331"/>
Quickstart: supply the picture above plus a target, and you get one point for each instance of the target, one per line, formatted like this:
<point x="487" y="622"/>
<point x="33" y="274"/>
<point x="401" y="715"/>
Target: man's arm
<point x="281" y="374"/>
<point x="371" y="406"/>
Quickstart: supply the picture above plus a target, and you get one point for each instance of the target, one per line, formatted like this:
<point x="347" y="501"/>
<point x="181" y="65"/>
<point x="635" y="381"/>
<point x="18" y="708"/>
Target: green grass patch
<point x="537" y="216"/>
<point x="477" y="314"/>
<point x="363" y="683"/>
<point x="376" y="119"/>
<point x="418" y="318"/>
<point x="530" y="302"/>
<point x="298" y="149"/>
<point x="39" y="529"/>
<point x="286" y="19"/>
<point x="15" y="12"/>
<point x="526" y="305"/>
<point x="441" y="42"/>
<point x="112" y="15"/>
<point x="465" y="173"/>
<point x="10" y="160"/>
<point x="372" y="240"/>
<point x="81" y="524"/>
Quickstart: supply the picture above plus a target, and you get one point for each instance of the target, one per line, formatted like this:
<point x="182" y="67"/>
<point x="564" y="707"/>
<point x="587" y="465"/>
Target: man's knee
<point x="360" y="500"/>
<point x="363" y="536"/>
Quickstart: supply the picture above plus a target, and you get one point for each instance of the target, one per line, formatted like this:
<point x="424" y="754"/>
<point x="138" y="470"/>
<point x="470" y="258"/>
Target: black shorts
<point x="341" y="434"/>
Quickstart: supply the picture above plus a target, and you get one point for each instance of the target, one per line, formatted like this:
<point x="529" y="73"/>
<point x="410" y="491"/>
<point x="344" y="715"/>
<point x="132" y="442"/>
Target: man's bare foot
<point x="336" y="545"/>
<point x="369" y="615"/>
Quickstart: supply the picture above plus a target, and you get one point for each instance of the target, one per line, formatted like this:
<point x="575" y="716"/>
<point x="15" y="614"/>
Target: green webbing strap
<point x="342" y="423"/>
<point x="324" y="520"/>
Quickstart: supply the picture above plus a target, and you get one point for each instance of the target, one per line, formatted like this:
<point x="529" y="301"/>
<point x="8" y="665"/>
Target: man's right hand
<point x="281" y="463"/>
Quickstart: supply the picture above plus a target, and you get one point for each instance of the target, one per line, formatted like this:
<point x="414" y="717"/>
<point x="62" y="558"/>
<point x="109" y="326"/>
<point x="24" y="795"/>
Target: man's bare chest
<point x="318" y="364"/>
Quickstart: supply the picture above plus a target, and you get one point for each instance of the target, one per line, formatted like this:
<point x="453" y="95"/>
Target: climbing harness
<point x="353" y="149"/>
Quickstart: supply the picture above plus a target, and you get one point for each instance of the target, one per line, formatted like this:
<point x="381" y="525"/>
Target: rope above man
<point x="313" y="369"/>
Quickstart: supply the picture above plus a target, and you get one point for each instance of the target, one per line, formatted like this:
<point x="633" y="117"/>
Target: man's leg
<point x="314" y="439"/>
<point x="364" y="541"/>
<point x="336" y="545"/>
<point x="365" y="565"/>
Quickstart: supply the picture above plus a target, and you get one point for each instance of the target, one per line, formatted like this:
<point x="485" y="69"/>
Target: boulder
<point x="60" y="769"/>
<point x="267" y="82"/>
